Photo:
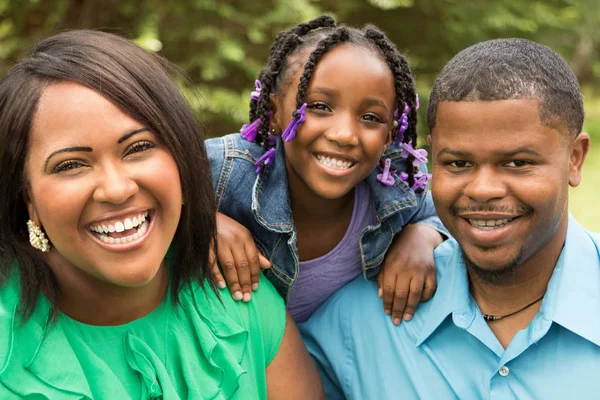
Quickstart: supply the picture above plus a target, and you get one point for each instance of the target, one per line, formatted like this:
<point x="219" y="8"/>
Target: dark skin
<point x="353" y="126"/>
<point x="516" y="171"/>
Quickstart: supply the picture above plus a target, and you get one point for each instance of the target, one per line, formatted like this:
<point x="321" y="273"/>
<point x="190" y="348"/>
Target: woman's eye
<point x="67" y="166"/>
<point x="320" y="107"/>
<point x="139" y="147"/>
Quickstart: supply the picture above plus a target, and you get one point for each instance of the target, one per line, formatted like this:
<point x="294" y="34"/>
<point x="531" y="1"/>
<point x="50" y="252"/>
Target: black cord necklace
<point x="489" y="317"/>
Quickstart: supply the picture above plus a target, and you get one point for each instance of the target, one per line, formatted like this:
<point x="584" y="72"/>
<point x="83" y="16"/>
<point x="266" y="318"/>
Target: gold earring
<point x="37" y="238"/>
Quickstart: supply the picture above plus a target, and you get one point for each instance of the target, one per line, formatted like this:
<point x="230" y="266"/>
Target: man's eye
<point x="459" y="164"/>
<point x="517" y="163"/>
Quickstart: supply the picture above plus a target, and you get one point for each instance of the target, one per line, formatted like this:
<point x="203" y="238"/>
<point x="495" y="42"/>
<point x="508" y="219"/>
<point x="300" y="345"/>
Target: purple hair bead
<point x="420" y="154"/>
<point x="265" y="160"/>
<point x="402" y="124"/>
<point x="386" y="177"/>
<point x="257" y="88"/>
<point x="420" y="180"/>
<point x="417" y="102"/>
<point x="249" y="131"/>
<point x="299" y="117"/>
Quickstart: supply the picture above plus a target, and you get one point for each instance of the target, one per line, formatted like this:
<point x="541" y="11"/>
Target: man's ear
<point x="577" y="151"/>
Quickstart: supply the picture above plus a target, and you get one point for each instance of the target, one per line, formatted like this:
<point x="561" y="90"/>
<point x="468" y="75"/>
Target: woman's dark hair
<point x="140" y="85"/>
<point x="321" y="35"/>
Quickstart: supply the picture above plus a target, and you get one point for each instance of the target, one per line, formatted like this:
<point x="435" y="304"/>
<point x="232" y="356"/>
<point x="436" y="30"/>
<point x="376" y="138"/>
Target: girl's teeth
<point x="334" y="163"/>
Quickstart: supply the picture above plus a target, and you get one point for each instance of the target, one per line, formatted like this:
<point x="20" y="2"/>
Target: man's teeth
<point x="334" y="163"/>
<point x="120" y="226"/>
<point x="488" y="225"/>
<point x="125" y="239"/>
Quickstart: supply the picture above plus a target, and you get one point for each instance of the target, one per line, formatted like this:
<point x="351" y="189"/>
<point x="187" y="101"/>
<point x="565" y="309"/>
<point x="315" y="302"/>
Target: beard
<point x="497" y="276"/>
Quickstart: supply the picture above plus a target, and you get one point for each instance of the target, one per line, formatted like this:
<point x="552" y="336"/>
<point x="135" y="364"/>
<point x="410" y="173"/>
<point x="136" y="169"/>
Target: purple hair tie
<point x="386" y="177"/>
<point x="402" y="124"/>
<point x="249" y="131"/>
<point x="257" y="88"/>
<point x="420" y="154"/>
<point x="420" y="181"/>
<point x="265" y="160"/>
<point x="299" y="117"/>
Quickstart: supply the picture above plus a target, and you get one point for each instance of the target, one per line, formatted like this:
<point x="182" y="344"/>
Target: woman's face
<point x="102" y="186"/>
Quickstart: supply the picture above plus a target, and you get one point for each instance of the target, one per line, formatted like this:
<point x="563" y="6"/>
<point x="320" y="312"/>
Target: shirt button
<point x="504" y="371"/>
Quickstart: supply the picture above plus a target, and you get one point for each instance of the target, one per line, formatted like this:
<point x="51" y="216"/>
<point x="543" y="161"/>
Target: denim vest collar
<point x="272" y="208"/>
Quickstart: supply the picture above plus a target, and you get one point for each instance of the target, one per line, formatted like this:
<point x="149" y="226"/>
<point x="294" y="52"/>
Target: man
<point x="517" y="310"/>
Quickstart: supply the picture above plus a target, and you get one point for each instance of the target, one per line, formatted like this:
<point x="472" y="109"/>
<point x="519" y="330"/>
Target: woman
<point x="105" y="228"/>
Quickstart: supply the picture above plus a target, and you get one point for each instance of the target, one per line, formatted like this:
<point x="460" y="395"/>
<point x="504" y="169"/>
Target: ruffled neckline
<point x="35" y="345"/>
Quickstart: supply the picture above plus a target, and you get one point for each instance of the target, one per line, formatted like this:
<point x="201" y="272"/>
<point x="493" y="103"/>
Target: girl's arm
<point x="292" y="374"/>
<point x="239" y="258"/>
<point x="408" y="273"/>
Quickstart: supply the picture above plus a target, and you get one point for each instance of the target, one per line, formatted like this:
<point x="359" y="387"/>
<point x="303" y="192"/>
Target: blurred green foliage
<point x="222" y="44"/>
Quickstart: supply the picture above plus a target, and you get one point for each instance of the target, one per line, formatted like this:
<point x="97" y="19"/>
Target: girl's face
<point x="349" y="121"/>
<point x="106" y="192"/>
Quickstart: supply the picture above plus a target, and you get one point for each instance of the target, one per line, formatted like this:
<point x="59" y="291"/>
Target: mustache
<point x="474" y="208"/>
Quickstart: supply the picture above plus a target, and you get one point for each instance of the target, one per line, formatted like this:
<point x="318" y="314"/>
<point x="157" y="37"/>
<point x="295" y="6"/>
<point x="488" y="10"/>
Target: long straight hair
<point x="139" y="84"/>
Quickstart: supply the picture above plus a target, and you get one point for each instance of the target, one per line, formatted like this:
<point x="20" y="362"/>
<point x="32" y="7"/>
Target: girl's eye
<point x="517" y="163"/>
<point x="372" y="117"/>
<point x="67" y="166"/>
<point x="320" y="107"/>
<point x="459" y="164"/>
<point x="140" y="147"/>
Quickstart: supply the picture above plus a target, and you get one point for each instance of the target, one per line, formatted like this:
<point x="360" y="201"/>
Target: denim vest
<point x="261" y="203"/>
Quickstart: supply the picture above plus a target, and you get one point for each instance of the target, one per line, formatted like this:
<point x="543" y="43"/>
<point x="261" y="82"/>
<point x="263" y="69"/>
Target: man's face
<point x="500" y="182"/>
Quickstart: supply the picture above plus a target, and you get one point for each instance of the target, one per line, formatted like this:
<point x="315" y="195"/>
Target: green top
<point x="205" y="350"/>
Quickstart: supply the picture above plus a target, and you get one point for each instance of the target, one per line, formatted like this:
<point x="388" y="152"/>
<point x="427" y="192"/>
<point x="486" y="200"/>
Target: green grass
<point x="584" y="200"/>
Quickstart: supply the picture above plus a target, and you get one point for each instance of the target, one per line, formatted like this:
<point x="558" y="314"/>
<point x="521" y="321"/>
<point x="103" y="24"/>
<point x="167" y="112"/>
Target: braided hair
<point x="321" y="35"/>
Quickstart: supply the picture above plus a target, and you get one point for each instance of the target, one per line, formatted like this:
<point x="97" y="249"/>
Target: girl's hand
<point x="239" y="258"/>
<point x="408" y="272"/>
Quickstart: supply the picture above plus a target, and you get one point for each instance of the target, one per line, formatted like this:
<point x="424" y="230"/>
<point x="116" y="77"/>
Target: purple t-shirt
<point x="321" y="277"/>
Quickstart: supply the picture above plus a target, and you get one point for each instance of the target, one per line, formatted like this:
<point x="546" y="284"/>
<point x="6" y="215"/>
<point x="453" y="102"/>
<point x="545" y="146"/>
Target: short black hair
<point x="505" y="69"/>
<point x="139" y="84"/>
<point x="317" y="37"/>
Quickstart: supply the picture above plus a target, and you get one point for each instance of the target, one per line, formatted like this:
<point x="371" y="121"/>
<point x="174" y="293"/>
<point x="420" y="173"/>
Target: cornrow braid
<point x="286" y="44"/>
<point x="404" y="86"/>
<point x="339" y="35"/>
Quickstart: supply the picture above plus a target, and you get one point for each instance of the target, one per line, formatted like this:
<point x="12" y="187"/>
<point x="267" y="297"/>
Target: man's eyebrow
<point x="455" y="153"/>
<point x="521" y="150"/>
<point x="89" y="149"/>
<point x="512" y="153"/>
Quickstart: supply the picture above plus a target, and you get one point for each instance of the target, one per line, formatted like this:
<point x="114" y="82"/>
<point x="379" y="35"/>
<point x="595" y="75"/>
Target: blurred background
<point x="221" y="45"/>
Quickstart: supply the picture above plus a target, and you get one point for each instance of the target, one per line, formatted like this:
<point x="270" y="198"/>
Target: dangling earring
<point x="37" y="238"/>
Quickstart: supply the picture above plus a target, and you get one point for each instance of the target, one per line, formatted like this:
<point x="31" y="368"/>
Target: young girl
<point x="326" y="179"/>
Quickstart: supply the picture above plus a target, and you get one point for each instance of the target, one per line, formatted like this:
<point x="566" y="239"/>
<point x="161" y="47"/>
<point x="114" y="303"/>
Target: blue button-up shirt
<point x="448" y="351"/>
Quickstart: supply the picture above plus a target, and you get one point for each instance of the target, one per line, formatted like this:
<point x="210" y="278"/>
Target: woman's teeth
<point x="116" y="232"/>
<point x="334" y="163"/>
<point x="488" y="225"/>
<point x="124" y="239"/>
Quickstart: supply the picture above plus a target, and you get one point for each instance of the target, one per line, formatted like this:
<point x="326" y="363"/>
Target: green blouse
<point x="203" y="350"/>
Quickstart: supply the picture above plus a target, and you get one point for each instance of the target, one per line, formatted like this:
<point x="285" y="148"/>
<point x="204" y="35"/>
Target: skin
<point x="73" y="189"/>
<point x="351" y="125"/>
<point x="494" y="168"/>
<point x="70" y="190"/>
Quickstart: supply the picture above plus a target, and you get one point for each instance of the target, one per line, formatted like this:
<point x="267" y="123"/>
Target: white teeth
<point x="125" y="239"/>
<point x="487" y="225"/>
<point x="334" y="163"/>
<point x="119" y="227"/>
<point x="128" y="223"/>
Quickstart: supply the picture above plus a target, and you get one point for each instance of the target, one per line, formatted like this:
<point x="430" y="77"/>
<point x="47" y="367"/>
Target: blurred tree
<point x="221" y="44"/>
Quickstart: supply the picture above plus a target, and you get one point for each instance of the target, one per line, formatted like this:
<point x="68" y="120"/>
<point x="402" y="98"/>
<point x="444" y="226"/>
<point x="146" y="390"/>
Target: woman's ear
<point x="30" y="208"/>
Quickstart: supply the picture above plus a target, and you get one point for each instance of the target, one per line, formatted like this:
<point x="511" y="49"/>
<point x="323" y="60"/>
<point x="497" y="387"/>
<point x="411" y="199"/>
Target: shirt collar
<point x="573" y="295"/>
<point x="572" y="298"/>
<point x="271" y="203"/>
<point x="452" y="294"/>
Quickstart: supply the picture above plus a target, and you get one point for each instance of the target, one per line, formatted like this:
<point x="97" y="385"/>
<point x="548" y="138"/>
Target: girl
<point x="326" y="178"/>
